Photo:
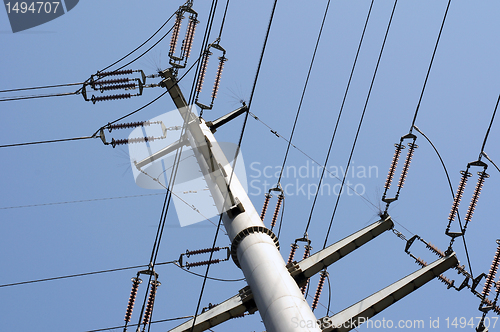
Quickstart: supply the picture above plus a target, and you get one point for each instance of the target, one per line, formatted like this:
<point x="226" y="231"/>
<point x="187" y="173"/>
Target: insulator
<point x="321" y="283"/>
<point x="434" y="249"/>
<point x="203" y="71"/>
<point x="111" y="97"/>
<point x="479" y="186"/>
<point x="118" y="80"/>
<point x="307" y="251"/>
<point x="133" y="294"/>
<point x="264" y="207"/>
<point x="151" y="301"/>
<point x="201" y="251"/>
<point x="292" y="252"/>
<point x="409" y="155"/>
<point x="129" y="125"/>
<point x="394" y="164"/>
<point x="132" y="140"/>
<point x="114" y="73"/>
<point x="492" y="273"/>
<point x="188" y="42"/>
<point x="175" y="33"/>
<point x="445" y="280"/>
<point x="222" y="59"/>
<point x="496" y="308"/>
<point x="277" y="210"/>
<point x="213" y="261"/>
<point x="118" y="86"/>
<point x="304" y="288"/>
<point x="306" y="254"/>
<point x="458" y="196"/>
<point x="421" y="262"/>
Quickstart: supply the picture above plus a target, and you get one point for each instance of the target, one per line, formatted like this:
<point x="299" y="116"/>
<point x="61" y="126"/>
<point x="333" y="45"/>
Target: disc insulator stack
<point x="321" y="283"/>
<point x="277" y="210"/>
<point x="404" y="173"/>
<point x="473" y="203"/>
<point x="292" y="252"/>
<point x="394" y="164"/>
<point x="492" y="273"/>
<point x="458" y="196"/>
<point x="133" y="294"/>
<point x="151" y="300"/>
<point x="264" y="207"/>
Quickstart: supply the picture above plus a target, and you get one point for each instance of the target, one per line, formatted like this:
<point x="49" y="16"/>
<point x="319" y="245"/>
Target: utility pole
<point x="254" y="247"/>
<point x="273" y="286"/>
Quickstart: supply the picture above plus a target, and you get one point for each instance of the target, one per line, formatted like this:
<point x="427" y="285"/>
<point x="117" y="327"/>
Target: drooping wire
<point x="360" y="123"/>
<point x="304" y="91"/>
<point x="338" y="118"/>
<point x="452" y="193"/>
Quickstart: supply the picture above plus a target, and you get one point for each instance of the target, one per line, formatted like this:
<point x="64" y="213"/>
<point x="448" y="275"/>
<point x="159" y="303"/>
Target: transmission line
<point x="338" y="119"/>
<point x="360" y="123"/>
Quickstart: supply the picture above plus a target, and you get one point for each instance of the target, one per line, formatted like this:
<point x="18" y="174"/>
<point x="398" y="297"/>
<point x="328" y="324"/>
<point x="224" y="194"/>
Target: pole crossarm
<point x="315" y="263"/>
<point x="362" y="311"/>
<point x="234" y="307"/>
<point x="238" y="304"/>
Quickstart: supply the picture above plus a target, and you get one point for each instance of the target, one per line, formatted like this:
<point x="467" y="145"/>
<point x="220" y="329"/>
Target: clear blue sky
<point x="55" y="240"/>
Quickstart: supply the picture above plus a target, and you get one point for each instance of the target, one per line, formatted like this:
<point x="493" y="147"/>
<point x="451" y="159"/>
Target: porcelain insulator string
<point x="151" y="301"/>
<point x="111" y="97"/>
<point x="492" y="273"/>
<point x="133" y="294"/>
<point x="265" y="206"/>
<point x="321" y="284"/>
<point x="277" y="211"/>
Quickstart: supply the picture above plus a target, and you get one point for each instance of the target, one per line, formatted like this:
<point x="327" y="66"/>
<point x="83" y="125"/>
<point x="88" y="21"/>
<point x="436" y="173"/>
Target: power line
<point x="153" y="322"/>
<point x="49" y="141"/>
<point x="41" y="87"/>
<point x="304" y="89"/>
<point x="39" y="96"/>
<point x="430" y="66"/>
<point x="360" y="123"/>
<point x="80" y="275"/>
<point x="338" y="118"/>
<point x="489" y="127"/>
<point x="77" y="201"/>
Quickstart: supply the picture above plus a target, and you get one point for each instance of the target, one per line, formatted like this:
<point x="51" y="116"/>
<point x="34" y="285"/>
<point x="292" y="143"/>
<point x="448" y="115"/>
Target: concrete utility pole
<point x="254" y="247"/>
<point x="273" y="287"/>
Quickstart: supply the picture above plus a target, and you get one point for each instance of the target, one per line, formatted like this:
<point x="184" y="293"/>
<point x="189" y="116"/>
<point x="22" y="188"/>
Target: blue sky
<point x="55" y="240"/>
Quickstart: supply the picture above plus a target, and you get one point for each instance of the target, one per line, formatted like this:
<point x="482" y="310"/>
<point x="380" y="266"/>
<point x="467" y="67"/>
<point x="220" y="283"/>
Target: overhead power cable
<point x="41" y="87"/>
<point x="304" y="89"/>
<point x="49" y="141"/>
<point x="430" y="66"/>
<point x="39" y="96"/>
<point x="77" y="201"/>
<point x="153" y="322"/>
<point x="338" y="118"/>
<point x="360" y="123"/>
